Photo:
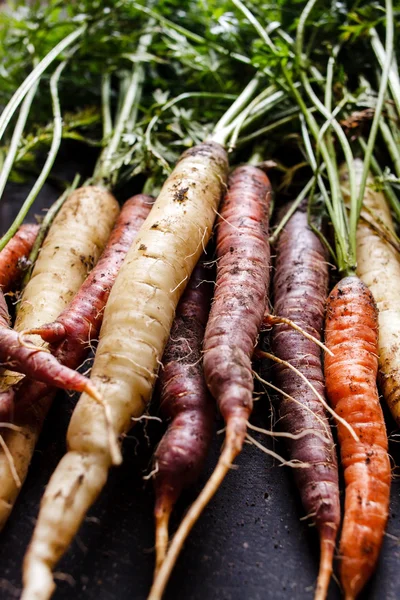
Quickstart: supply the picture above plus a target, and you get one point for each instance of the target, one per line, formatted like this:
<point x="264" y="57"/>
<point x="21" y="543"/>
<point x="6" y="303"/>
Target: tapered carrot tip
<point x="231" y="450"/>
<point x="328" y="536"/>
<point x="162" y="516"/>
<point x="38" y="581"/>
<point x="51" y="333"/>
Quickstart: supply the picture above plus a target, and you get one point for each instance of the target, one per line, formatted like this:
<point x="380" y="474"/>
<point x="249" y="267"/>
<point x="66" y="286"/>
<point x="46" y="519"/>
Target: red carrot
<point x="14" y="254"/>
<point x="81" y="320"/>
<point x="34" y="361"/>
<point x="351" y="333"/>
<point x="231" y="334"/>
<point x="300" y="288"/>
<point x="186" y="402"/>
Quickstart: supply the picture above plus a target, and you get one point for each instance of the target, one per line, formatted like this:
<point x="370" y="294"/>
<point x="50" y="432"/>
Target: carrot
<point x="36" y="362"/>
<point x="81" y="320"/>
<point x="351" y="333"/>
<point x="137" y="321"/>
<point x="6" y="397"/>
<point x="185" y="402"/>
<point x="300" y="287"/>
<point x="378" y="265"/>
<point x="14" y="254"/>
<point x="235" y="319"/>
<point x="72" y="246"/>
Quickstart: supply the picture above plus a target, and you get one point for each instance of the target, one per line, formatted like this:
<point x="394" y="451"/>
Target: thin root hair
<point x="146" y="418"/>
<point x="11" y="463"/>
<point x="317" y="394"/>
<point x="275" y="320"/>
<point x="152" y="473"/>
<point x="292" y="436"/>
<point x="296" y="464"/>
<point x="11" y="426"/>
<point x="274" y="387"/>
<point x="226" y="221"/>
<point x="179" y="284"/>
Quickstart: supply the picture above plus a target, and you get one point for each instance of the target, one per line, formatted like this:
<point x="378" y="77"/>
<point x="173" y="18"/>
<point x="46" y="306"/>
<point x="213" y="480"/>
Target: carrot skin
<point x="185" y="400"/>
<point x="300" y="289"/>
<point x="13" y="255"/>
<point x="33" y="361"/>
<point x="6" y="396"/>
<point x="83" y="316"/>
<point x="135" y="329"/>
<point x="240" y="298"/>
<point x="80" y="321"/>
<point x="231" y="334"/>
<point x="351" y="333"/>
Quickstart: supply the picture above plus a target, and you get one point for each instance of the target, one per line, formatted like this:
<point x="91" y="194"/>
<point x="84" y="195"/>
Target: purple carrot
<point x="81" y="319"/>
<point x="300" y="288"/>
<point x="235" y="319"/>
<point x="14" y="254"/>
<point x="185" y="402"/>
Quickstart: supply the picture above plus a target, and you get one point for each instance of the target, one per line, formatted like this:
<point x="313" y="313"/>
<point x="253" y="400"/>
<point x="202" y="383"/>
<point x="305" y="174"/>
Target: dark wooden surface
<point x="249" y="544"/>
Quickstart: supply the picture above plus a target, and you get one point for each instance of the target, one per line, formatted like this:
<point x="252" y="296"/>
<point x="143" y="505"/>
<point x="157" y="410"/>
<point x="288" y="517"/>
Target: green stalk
<point x="149" y="144"/>
<point x="393" y="119"/>
<point x="292" y="116"/>
<point x="235" y="108"/>
<point x="106" y="106"/>
<point x="45" y="226"/>
<point x="55" y="145"/>
<point x="387" y="188"/>
<point x="328" y="102"/>
<point x="16" y="137"/>
<point x="299" y="43"/>
<point x="186" y="33"/>
<point x="294" y="206"/>
<point x="269" y="102"/>
<point x="378" y="110"/>
<point x="348" y="154"/>
<point x="256" y="24"/>
<point x="333" y="116"/>
<point x="34" y="76"/>
<point x="221" y="136"/>
<point x="394" y="82"/>
<point x="391" y="145"/>
<point x="103" y="172"/>
<point x="265" y="100"/>
<point x="336" y="209"/>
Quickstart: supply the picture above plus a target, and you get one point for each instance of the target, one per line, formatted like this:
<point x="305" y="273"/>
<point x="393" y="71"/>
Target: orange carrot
<point x="351" y="333"/>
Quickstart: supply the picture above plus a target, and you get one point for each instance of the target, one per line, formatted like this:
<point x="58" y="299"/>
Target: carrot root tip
<point x="162" y="537"/>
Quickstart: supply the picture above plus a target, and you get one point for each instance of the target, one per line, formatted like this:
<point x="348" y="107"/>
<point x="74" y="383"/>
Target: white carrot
<point x="72" y="246"/>
<point x="135" y="329"/>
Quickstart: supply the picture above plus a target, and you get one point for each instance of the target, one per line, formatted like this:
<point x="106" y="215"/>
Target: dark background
<point x="249" y="543"/>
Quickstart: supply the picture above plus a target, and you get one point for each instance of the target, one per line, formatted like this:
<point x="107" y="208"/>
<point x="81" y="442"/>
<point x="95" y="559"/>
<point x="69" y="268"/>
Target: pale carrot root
<point x="162" y="536"/>
<point x="68" y="496"/>
<point x="231" y="450"/>
<point x="135" y="329"/>
<point x="59" y="271"/>
<point x="327" y="543"/>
